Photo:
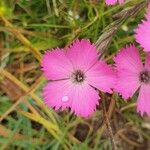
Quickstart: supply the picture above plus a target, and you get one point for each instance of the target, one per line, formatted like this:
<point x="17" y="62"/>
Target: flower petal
<point x="143" y="102"/>
<point x="121" y="1"/>
<point x="129" y="59"/>
<point x="127" y="83"/>
<point x="85" y="99"/>
<point x="143" y="31"/>
<point x="147" y="62"/>
<point x="82" y="54"/>
<point x="112" y="2"/>
<point x="56" y="65"/>
<point x="142" y="35"/>
<point x="101" y="76"/>
<point x="58" y="94"/>
<point x="129" y="66"/>
<point x="81" y="98"/>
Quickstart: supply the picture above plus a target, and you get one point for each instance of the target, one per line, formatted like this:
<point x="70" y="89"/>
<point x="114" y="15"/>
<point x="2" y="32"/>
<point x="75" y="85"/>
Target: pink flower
<point x="142" y="33"/>
<point x="133" y="75"/>
<point x="112" y="2"/>
<point x="75" y="72"/>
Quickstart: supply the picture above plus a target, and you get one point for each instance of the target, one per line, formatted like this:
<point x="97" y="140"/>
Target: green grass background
<point x="27" y="29"/>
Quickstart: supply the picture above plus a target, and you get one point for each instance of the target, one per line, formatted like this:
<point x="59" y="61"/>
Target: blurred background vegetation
<point x="27" y="29"/>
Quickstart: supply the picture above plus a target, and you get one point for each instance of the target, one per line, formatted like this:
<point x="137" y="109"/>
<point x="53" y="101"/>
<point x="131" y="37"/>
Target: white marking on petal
<point x="65" y="98"/>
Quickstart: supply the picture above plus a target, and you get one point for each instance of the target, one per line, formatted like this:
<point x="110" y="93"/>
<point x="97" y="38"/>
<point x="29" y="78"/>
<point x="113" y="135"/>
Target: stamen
<point x="145" y="77"/>
<point x="78" y="76"/>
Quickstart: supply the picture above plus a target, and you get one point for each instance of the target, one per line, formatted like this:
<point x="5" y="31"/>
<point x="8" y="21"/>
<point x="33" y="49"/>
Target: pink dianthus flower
<point x="133" y="75"/>
<point x="142" y="33"/>
<point x="74" y="73"/>
<point x="112" y="2"/>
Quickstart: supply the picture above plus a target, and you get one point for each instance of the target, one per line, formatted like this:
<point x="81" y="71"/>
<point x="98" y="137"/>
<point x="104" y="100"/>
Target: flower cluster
<point x="76" y="75"/>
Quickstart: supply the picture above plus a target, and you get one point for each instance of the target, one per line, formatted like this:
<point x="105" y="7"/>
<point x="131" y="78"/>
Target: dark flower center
<point x="145" y="77"/>
<point x="78" y="76"/>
